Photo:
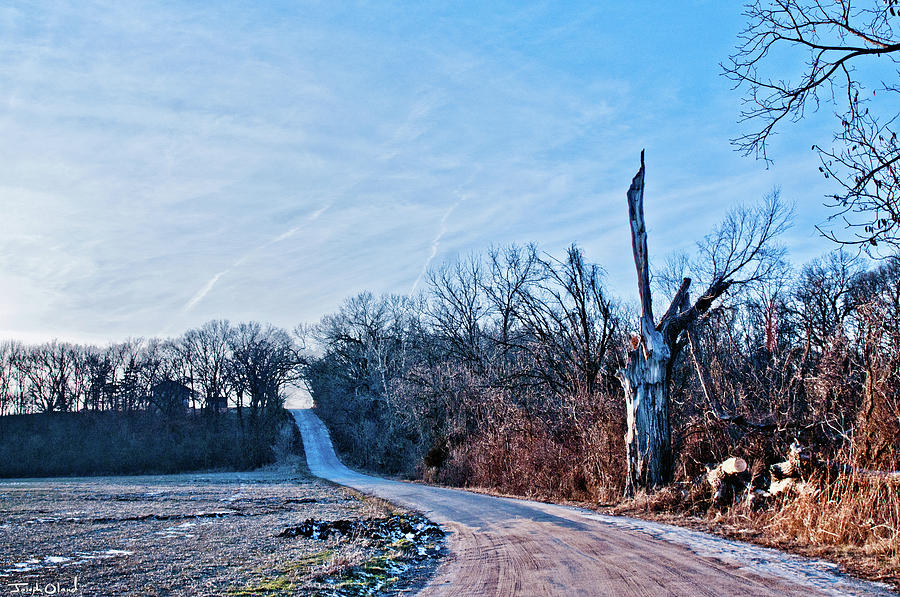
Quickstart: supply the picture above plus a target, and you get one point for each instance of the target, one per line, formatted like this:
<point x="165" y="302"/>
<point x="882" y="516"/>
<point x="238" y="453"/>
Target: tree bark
<point x="645" y="377"/>
<point x="648" y="438"/>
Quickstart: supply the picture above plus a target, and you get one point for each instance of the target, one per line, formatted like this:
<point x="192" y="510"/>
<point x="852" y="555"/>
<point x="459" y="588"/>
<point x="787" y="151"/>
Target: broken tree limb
<point x="847" y="470"/>
<point x="635" y="197"/>
<point x="792" y="466"/>
<point x="702" y="374"/>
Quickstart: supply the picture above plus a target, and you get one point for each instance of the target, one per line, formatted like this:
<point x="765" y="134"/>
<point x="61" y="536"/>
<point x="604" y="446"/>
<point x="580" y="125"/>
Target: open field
<point x="192" y="534"/>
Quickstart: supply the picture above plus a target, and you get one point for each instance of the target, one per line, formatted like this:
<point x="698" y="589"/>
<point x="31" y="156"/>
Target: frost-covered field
<point x="190" y="534"/>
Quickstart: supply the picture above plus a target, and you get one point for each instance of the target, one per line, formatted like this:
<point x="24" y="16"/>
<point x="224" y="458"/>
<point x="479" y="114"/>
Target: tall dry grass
<point x="849" y="510"/>
<point x="525" y="455"/>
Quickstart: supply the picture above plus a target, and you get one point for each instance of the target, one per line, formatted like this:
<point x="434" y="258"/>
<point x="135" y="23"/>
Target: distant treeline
<point x="146" y="405"/>
<point x="504" y="373"/>
<point x="209" y="368"/>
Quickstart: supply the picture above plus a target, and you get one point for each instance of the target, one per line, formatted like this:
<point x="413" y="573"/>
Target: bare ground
<point x="190" y="534"/>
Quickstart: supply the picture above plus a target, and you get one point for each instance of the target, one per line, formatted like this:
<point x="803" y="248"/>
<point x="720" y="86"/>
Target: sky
<point x="167" y="163"/>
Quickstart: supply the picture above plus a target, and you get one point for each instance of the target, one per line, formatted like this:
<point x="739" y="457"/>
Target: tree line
<point x="246" y="366"/>
<point x="506" y="371"/>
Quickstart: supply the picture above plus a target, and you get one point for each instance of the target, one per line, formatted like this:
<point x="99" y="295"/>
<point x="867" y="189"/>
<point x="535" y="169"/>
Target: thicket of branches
<point x="218" y="364"/>
<point x="503" y="373"/>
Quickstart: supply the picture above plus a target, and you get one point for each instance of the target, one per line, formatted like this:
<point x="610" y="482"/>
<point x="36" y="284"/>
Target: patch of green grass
<point x="306" y="563"/>
<point x="334" y="573"/>
<point x="373" y="575"/>
<point x="273" y="587"/>
<point x="285" y="582"/>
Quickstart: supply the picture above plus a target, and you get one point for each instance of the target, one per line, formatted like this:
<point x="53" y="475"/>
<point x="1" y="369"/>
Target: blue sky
<point x="162" y="164"/>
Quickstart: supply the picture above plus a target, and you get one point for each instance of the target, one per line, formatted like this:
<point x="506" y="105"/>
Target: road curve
<point x="501" y="546"/>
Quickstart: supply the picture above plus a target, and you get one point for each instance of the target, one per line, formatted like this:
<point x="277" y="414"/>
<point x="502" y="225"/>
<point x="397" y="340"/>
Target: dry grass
<point x="849" y="511"/>
<point x="850" y="520"/>
<point x="529" y="456"/>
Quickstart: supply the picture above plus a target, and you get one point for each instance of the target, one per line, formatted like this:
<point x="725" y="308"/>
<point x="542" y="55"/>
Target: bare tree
<point x="360" y="336"/>
<point x="264" y="359"/>
<point x="835" y="37"/>
<point x="208" y="350"/>
<point x="460" y="307"/>
<point x="738" y="253"/>
<point x="825" y="298"/>
<point x="8" y="350"/>
<point x="570" y="324"/>
<point x="513" y="270"/>
<point x="19" y="387"/>
<point x="49" y="369"/>
<point x="129" y="380"/>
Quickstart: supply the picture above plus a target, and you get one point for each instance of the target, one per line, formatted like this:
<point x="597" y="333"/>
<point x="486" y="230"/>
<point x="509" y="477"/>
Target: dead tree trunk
<point x="645" y="377"/>
<point x="648" y="438"/>
<point x="647" y="371"/>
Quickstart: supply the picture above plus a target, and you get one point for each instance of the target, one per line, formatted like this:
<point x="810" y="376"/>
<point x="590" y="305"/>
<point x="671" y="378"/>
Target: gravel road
<point x="501" y="546"/>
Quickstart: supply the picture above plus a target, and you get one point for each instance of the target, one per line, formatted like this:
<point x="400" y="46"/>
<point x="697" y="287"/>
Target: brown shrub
<point x="523" y="454"/>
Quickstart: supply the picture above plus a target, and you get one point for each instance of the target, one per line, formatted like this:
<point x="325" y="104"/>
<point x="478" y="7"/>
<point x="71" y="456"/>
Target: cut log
<point x="719" y="476"/>
<point x="734" y="465"/>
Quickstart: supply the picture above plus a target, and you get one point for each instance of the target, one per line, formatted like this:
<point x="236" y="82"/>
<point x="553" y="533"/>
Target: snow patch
<point x="81" y="557"/>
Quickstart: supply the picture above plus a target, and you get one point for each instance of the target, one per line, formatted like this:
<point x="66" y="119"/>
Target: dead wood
<point x="724" y="480"/>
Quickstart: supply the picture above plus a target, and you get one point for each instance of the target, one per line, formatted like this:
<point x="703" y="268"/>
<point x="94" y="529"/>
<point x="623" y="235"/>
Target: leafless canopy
<point x="851" y="54"/>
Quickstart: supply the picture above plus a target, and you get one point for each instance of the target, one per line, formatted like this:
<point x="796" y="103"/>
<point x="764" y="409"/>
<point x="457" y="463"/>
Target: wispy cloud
<point x="435" y="243"/>
<point x="201" y="294"/>
<point x="267" y="160"/>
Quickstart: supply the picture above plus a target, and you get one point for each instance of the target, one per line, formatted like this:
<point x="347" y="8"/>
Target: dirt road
<point x="501" y="546"/>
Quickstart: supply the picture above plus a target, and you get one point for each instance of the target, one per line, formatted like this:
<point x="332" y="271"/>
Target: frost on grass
<point x="368" y="556"/>
<point x="192" y="534"/>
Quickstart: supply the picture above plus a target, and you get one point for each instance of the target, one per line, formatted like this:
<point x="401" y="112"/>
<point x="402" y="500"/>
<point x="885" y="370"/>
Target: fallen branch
<point x="793" y="465"/>
<point x="800" y="461"/>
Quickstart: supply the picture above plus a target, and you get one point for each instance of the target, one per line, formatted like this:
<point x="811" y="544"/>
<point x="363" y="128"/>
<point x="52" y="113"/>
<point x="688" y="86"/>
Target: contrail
<point x="205" y="290"/>
<point x="286" y="235"/>
<point x="435" y="243"/>
<point x="281" y="237"/>
<point x="312" y="218"/>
